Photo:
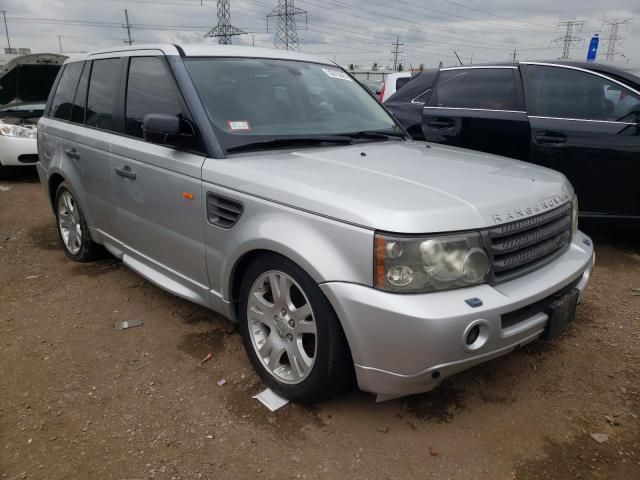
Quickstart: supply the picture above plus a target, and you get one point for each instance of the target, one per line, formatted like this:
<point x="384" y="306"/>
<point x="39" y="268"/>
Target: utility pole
<point x="223" y="31"/>
<point x="60" y="42"/>
<point x="568" y="40"/>
<point x="128" y="27"/>
<point x="286" y="37"/>
<point x="613" y="39"/>
<point x="396" y="51"/>
<point x="6" y="29"/>
<point x="515" y="54"/>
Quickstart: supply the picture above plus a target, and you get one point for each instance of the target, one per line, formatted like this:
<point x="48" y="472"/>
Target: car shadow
<point x="19" y="174"/>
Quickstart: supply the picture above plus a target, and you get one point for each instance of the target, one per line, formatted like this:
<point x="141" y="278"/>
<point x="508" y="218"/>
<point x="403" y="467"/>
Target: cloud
<point x="359" y="31"/>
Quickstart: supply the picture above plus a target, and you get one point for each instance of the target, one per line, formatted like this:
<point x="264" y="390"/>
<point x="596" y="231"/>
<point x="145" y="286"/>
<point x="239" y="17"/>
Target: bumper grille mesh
<point x="525" y="245"/>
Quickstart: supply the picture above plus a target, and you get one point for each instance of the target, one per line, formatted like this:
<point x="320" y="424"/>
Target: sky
<point x="358" y="32"/>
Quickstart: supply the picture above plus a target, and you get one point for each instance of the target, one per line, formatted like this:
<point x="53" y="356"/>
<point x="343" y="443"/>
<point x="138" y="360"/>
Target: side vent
<point x="222" y="211"/>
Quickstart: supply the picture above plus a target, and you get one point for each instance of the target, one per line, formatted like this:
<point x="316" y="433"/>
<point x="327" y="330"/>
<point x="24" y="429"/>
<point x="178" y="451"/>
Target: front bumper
<point x="17" y="151"/>
<point x="406" y="343"/>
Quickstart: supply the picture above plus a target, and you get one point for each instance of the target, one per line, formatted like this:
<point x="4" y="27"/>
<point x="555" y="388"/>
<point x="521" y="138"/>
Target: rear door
<point x="586" y="125"/>
<point x="157" y="187"/>
<point x="480" y="108"/>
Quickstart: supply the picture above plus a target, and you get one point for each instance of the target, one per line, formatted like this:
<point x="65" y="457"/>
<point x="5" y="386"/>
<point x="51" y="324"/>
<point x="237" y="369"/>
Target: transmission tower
<point x="396" y="51"/>
<point x="224" y="30"/>
<point x="286" y="37"/>
<point x="568" y="40"/>
<point x="614" y="26"/>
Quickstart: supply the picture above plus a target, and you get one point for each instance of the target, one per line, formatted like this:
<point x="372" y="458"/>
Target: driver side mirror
<point x="167" y="129"/>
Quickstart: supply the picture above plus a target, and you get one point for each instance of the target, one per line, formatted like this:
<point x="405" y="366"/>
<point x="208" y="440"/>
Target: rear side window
<point x="150" y="89"/>
<point x="103" y="88"/>
<point x="482" y="88"/>
<point x="400" y="82"/>
<point x="566" y="93"/>
<point x="80" y="100"/>
<point x="63" y="99"/>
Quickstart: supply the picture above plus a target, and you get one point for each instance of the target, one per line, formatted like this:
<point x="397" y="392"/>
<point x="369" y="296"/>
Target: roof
<point x="624" y="71"/>
<point x="206" y="50"/>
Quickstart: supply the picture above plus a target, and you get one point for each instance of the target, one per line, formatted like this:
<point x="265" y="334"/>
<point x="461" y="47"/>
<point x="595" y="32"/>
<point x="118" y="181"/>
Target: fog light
<point x="473" y="335"/>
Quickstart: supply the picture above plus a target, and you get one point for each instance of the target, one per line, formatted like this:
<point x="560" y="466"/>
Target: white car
<point x="393" y="82"/>
<point x="25" y="83"/>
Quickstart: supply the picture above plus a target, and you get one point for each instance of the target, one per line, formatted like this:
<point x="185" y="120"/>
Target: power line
<point x="129" y="40"/>
<point x="286" y="37"/>
<point x="568" y="40"/>
<point x="224" y="30"/>
<point x="613" y="39"/>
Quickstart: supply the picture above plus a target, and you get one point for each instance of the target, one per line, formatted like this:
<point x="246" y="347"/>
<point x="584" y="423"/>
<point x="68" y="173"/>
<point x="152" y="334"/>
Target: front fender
<point x="328" y="250"/>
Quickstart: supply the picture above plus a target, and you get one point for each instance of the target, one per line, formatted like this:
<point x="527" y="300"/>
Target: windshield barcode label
<point x="238" y="125"/>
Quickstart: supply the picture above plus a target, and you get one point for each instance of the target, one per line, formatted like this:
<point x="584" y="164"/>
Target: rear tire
<point x="290" y="332"/>
<point x="72" y="227"/>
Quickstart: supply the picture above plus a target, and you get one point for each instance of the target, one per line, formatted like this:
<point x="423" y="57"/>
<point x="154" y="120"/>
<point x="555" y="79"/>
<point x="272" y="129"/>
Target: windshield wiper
<point x="291" y="142"/>
<point x="375" y="134"/>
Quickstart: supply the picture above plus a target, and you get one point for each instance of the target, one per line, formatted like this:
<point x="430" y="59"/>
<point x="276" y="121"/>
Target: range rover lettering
<point x="272" y="188"/>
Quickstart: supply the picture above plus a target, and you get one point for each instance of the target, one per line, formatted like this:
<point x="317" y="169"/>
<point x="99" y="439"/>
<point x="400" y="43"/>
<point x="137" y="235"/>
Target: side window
<point x="80" y="100"/>
<point x="149" y="90"/>
<point x="63" y="99"/>
<point x="566" y="93"/>
<point x="103" y="88"/>
<point x="483" y="88"/>
<point x="400" y="82"/>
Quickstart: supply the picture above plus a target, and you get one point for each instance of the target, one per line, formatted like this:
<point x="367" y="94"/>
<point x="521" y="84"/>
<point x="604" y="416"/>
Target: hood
<point x="394" y="186"/>
<point x="28" y="79"/>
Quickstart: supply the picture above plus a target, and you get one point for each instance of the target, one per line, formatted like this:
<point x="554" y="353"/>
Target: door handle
<point x="72" y="153"/>
<point x="126" y="172"/>
<point x="441" y="123"/>
<point x="550" y="138"/>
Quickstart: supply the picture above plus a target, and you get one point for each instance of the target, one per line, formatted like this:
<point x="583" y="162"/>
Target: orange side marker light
<point x="187" y="195"/>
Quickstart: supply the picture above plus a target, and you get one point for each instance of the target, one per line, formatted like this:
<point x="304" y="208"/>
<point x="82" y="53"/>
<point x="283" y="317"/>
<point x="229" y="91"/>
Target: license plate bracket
<point x="561" y="312"/>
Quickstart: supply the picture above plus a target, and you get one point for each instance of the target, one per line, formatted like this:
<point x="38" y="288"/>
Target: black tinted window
<point x="400" y="82"/>
<point x="103" y="88"/>
<point x="80" y="100"/>
<point x="149" y="90"/>
<point x="567" y="93"/>
<point x="485" y="88"/>
<point x="63" y="99"/>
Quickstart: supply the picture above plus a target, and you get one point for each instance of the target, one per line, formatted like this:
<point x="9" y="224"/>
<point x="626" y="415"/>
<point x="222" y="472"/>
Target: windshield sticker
<point x="333" y="73"/>
<point x="238" y="125"/>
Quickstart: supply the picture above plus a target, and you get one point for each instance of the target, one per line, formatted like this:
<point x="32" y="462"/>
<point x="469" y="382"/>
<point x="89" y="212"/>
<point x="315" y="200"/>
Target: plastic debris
<point x="128" y="324"/>
<point x="33" y="277"/>
<point x="4" y="188"/>
<point x="600" y="437"/>
<point x="221" y="382"/>
<point x="208" y="357"/>
<point x="271" y="400"/>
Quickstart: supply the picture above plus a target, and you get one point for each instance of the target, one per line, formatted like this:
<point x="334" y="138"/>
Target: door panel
<point x="491" y="131"/>
<point x="159" y="213"/>
<point x="587" y="126"/>
<point x="601" y="159"/>
<point x="478" y="108"/>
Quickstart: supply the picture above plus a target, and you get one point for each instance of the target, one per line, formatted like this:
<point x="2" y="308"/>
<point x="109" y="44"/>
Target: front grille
<point x="525" y="245"/>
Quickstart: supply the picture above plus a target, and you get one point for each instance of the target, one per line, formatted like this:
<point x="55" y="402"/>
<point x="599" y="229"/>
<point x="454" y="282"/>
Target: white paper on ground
<point x="271" y="400"/>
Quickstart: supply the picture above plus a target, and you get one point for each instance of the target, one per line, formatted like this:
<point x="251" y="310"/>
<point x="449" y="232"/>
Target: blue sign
<point x="593" y="48"/>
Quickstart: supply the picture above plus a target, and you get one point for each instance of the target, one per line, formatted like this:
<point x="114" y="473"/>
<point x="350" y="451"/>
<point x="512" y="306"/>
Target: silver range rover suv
<point x="272" y="188"/>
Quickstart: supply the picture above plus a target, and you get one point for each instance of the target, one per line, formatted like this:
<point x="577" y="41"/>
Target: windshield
<point x="252" y="101"/>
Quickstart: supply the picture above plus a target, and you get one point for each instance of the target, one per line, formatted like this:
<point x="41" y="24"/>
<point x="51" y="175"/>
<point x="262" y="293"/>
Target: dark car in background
<point x="581" y="119"/>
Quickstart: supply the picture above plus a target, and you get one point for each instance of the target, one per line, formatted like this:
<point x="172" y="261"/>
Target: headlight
<point x="574" y="215"/>
<point x="416" y="265"/>
<point x="9" y="130"/>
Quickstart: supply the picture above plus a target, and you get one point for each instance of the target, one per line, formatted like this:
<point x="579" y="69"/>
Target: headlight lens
<point x="574" y="215"/>
<point x="417" y="265"/>
<point x="9" y="130"/>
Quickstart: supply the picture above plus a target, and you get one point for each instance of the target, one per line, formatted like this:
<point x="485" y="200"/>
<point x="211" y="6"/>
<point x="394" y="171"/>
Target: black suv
<point x="581" y="119"/>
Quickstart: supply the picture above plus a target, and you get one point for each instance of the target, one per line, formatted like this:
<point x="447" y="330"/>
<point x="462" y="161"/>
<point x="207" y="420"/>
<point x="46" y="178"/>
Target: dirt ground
<point x="82" y="400"/>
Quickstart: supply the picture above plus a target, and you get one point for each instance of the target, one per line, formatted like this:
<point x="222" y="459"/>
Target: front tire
<point x="291" y="333"/>
<point x="72" y="227"/>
